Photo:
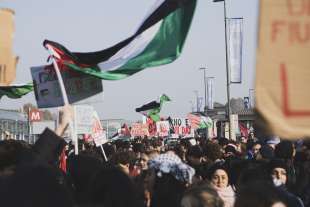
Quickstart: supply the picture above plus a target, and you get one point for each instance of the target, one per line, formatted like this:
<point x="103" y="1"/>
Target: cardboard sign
<point x="83" y="115"/>
<point x="180" y="126"/>
<point x="98" y="134"/>
<point x="283" y="67"/>
<point x="47" y="90"/>
<point x="162" y="128"/>
<point x="7" y="60"/>
<point x="139" y="130"/>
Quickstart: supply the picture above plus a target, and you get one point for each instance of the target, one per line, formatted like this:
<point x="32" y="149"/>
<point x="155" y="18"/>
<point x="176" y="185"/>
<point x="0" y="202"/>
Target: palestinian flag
<point x="15" y="91"/>
<point x="153" y="108"/>
<point x="200" y="122"/>
<point x="158" y="41"/>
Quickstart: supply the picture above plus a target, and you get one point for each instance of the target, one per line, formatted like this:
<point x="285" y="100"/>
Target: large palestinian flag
<point x="158" y="41"/>
<point x="15" y="91"/>
<point x="153" y="108"/>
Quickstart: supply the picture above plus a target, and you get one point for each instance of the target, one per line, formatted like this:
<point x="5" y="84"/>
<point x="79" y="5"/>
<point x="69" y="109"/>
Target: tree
<point x="28" y="106"/>
<point x="236" y="105"/>
<point x="47" y="115"/>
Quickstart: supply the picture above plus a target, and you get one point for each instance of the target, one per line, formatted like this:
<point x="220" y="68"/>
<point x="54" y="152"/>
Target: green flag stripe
<point x="165" y="47"/>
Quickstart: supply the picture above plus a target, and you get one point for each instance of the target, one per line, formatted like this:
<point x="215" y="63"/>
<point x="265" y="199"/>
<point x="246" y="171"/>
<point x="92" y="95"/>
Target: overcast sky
<point x="86" y="26"/>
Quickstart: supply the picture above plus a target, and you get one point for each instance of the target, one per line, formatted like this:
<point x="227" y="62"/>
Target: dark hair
<point x="266" y="152"/>
<point x="195" y="151"/>
<point x="258" y="194"/>
<point x="251" y="171"/>
<point x="111" y="187"/>
<point x="138" y="147"/>
<point x="11" y="154"/>
<point x="167" y="191"/>
<point x="212" y="151"/>
<point x="215" y="167"/>
<point x="123" y="158"/>
<point x="203" y="195"/>
<point x="36" y="186"/>
<point x="81" y="168"/>
<point x="284" y="150"/>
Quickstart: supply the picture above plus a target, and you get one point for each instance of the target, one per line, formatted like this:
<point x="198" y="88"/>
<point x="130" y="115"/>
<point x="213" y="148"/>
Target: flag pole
<point x="104" y="155"/>
<point x="66" y="100"/>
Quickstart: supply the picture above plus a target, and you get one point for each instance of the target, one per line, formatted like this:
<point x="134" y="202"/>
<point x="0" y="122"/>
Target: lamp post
<point x="227" y="70"/>
<point x="205" y="84"/>
<point x="197" y="100"/>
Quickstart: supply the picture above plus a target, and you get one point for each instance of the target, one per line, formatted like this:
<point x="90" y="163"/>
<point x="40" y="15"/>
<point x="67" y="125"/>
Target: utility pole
<point x="197" y="100"/>
<point x="205" y="85"/>
<point x="227" y="69"/>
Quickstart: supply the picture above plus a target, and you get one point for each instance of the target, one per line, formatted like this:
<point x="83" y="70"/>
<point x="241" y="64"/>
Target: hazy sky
<point x="86" y="26"/>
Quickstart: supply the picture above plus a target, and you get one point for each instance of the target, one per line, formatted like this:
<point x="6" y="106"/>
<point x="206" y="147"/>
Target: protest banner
<point x="7" y="60"/>
<point x="162" y="128"/>
<point x="83" y="115"/>
<point x="97" y="133"/>
<point x="282" y="74"/>
<point x="180" y="126"/>
<point x="47" y="89"/>
<point x="139" y="130"/>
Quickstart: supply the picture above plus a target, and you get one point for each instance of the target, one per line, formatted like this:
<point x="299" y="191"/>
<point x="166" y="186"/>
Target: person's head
<point x="111" y="187"/>
<point x="255" y="148"/>
<point x="285" y="150"/>
<point x="218" y="175"/>
<point x="243" y="139"/>
<point x="168" y="179"/>
<point x="36" y="186"/>
<point x="273" y="141"/>
<point x="142" y="162"/>
<point x="194" y="155"/>
<point x="212" y="151"/>
<point x="123" y="160"/>
<point x="278" y="172"/>
<point x="230" y="150"/>
<point x="259" y="194"/>
<point x="223" y="141"/>
<point x="201" y="196"/>
<point x="10" y="155"/>
<point x="266" y="152"/>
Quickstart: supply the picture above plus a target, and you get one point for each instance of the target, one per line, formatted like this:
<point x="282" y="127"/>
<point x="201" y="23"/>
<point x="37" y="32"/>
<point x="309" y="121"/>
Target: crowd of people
<point x="195" y="172"/>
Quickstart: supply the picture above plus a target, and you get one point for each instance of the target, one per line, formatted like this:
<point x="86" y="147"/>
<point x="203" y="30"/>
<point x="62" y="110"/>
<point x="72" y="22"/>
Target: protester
<point x="202" y="195"/>
<point x="218" y="176"/>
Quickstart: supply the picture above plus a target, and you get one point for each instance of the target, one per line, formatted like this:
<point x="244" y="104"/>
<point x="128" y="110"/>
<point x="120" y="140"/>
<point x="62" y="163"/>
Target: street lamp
<point x="205" y="84"/>
<point x="227" y="69"/>
<point x="197" y="100"/>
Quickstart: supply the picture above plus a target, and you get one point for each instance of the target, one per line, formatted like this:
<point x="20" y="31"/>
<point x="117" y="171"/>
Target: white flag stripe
<point x="134" y="48"/>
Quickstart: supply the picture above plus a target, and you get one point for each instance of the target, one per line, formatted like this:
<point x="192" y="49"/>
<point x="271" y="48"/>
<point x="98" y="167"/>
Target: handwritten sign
<point x="283" y="67"/>
<point x="47" y="89"/>
<point x="138" y="129"/>
<point x="83" y="119"/>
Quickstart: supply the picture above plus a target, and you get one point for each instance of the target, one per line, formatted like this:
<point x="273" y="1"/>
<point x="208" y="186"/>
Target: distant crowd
<point x="145" y="172"/>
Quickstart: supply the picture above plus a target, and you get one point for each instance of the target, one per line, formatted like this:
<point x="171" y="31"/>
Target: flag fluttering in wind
<point x="153" y="108"/>
<point x="158" y="41"/>
<point x="16" y="91"/>
<point x="200" y="122"/>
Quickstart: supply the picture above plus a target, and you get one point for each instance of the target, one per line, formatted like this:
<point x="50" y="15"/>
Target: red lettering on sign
<point x="296" y="32"/>
<point x="287" y="111"/>
<point x="298" y="8"/>
<point x="276" y="27"/>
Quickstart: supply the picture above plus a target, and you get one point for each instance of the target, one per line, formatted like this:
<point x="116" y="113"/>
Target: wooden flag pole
<point x="104" y="155"/>
<point x="66" y="100"/>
